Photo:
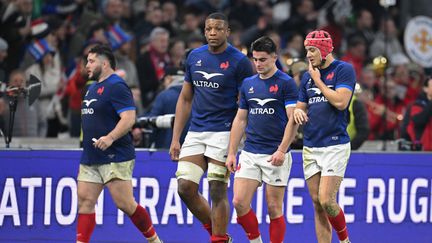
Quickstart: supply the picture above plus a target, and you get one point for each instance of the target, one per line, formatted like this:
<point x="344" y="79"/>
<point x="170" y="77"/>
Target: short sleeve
<point x="291" y="93"/>
<point x="302" y="95"/>
<point x="187" y="75"/>
<point x="346" y="77"/>
<point x="244" y="70"/>
<point x="121" y="98"/>
<point x="242" y="101"/>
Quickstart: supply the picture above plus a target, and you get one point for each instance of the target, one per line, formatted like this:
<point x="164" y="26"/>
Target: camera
<point x="163" y="121"/>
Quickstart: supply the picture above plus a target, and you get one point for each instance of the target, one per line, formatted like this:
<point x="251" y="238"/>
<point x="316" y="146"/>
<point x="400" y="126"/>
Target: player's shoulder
<point x="235" y="53"/>
<point x="199" y="50"/>
<point x="251" y="78"/>
<point x="283" y="76"/>
<point x="343" y="65"/>
<point x="115" y="80"/>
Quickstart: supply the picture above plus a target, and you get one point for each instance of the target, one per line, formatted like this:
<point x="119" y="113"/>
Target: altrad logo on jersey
<point x="206" y="83"/>
<point x="85" y="111"/>
<point x="260" y="110"/>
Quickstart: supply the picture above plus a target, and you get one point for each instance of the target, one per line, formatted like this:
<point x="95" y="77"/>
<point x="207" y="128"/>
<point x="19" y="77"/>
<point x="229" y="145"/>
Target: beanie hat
<point x="321" y="40"/>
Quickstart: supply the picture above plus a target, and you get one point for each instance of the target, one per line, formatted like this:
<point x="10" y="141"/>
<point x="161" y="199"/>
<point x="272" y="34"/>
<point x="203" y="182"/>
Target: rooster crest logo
<point x="330" y="76"/>
<point x="100" y="90"/>
<point x="224" y="65"/>
<point x="274" y="89"/>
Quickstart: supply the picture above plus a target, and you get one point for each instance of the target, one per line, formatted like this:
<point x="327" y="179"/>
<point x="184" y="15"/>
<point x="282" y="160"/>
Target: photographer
<point x="418" y="120"/>
<point x="165" y="103"/>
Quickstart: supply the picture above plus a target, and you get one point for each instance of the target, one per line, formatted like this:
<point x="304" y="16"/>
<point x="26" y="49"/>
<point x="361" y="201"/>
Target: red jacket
<point x="420" y="123"/>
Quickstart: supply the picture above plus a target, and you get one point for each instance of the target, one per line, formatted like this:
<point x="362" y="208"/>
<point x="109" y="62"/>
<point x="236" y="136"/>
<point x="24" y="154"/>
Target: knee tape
<point x="189" y="171"/>
<point x="217" y="173"/>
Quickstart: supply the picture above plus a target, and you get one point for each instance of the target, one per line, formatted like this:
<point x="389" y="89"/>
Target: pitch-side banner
<point x="386" y="197"/>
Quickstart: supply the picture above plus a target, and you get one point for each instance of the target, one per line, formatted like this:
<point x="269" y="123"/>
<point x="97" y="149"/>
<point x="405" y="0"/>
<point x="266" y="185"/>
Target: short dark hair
<point x="426" y="81"/>
<point x="219" y="16"/>
<point x="106" y="51"/>
<point x="265" y="44"/>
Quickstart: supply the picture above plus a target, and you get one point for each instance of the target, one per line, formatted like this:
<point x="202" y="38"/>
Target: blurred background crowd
<point x="50" y="39"/>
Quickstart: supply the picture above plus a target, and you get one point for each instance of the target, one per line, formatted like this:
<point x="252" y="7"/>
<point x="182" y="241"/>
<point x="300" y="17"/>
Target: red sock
<point x="277" y="230"/>
<point x="142" y="221"/>
<point x="249" y="223"/>
<point x="339" y="224"/>
<point x="85" y="226"/>
<point x="219" y="238"/>
<point x="208" y="227"/>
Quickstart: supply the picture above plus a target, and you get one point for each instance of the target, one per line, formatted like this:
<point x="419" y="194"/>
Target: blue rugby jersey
<point x="100" y="113"/>
<point x="327" y="125"/>
<point x="216" y="80"/>
<point x="266" y="101"/>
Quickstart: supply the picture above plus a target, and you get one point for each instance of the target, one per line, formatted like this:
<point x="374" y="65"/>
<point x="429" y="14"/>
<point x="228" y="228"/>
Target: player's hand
<point x="175" y="150"/>
<point x="231" y="163"/>
<point x="103" y="142"/>
<point x="300" y="117"/>
<point x="314" y="72"/>
<point x="277" y="158"/>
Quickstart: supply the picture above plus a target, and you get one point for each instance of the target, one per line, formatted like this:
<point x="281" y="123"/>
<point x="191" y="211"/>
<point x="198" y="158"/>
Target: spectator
<point x="165" y="103"/>
<point x="364" y="27"/>
<point x="385" y="113"/>
<point x="356" y="54"/>
<point x="3" y="54"/>
<point x="15" y="29"/>
<point x="177" y="51"/>
<point x="419" y="119"/>
<point x="190" y="26"/>
<point x="121" y="45"/>
<point x="407" y="87"/>
<point x="303" y="19"/>
<point x="386" y="40"/>
<point x="151" y="65"/>
<point x="358" y="126"/>
<point x="50" y="76"/>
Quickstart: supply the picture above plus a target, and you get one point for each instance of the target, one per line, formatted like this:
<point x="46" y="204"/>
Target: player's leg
<point x="218" y="177"/>
<point x="329" y="186"/>
<point x="275" y="196"/>
<point x="276" y="178"/>
<point x="322" y="225"/>
<point x="335" y="161"/>
<point x="190" y="168"/>
<point x="244" y="189"/>
<point x="90" y="186"/>
<point x="118" y="178"/>
<point x="121" y="193"/>
<point x="247" y="178"/>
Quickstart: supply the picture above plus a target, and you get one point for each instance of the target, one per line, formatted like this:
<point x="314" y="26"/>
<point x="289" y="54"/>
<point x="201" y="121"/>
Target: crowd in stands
<point x="50" y="39"/>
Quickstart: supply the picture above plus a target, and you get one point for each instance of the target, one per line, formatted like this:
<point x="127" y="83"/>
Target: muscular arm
<point x="237" y="131"/>
<point x="127" y="119"/>
<point x="291" y="127"/>
<point x="339" y="98"/>
<point x="183" y="109"/>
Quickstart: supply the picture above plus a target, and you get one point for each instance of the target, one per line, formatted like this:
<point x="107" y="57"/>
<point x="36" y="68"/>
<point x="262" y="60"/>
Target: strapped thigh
<point x="189" y="171"/>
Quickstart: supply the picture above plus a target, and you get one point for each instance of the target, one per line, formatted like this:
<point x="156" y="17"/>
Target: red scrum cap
<point x="321" y="40"/>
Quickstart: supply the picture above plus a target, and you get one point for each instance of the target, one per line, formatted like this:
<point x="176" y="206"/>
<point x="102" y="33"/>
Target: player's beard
<point x="96" y="73"/>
